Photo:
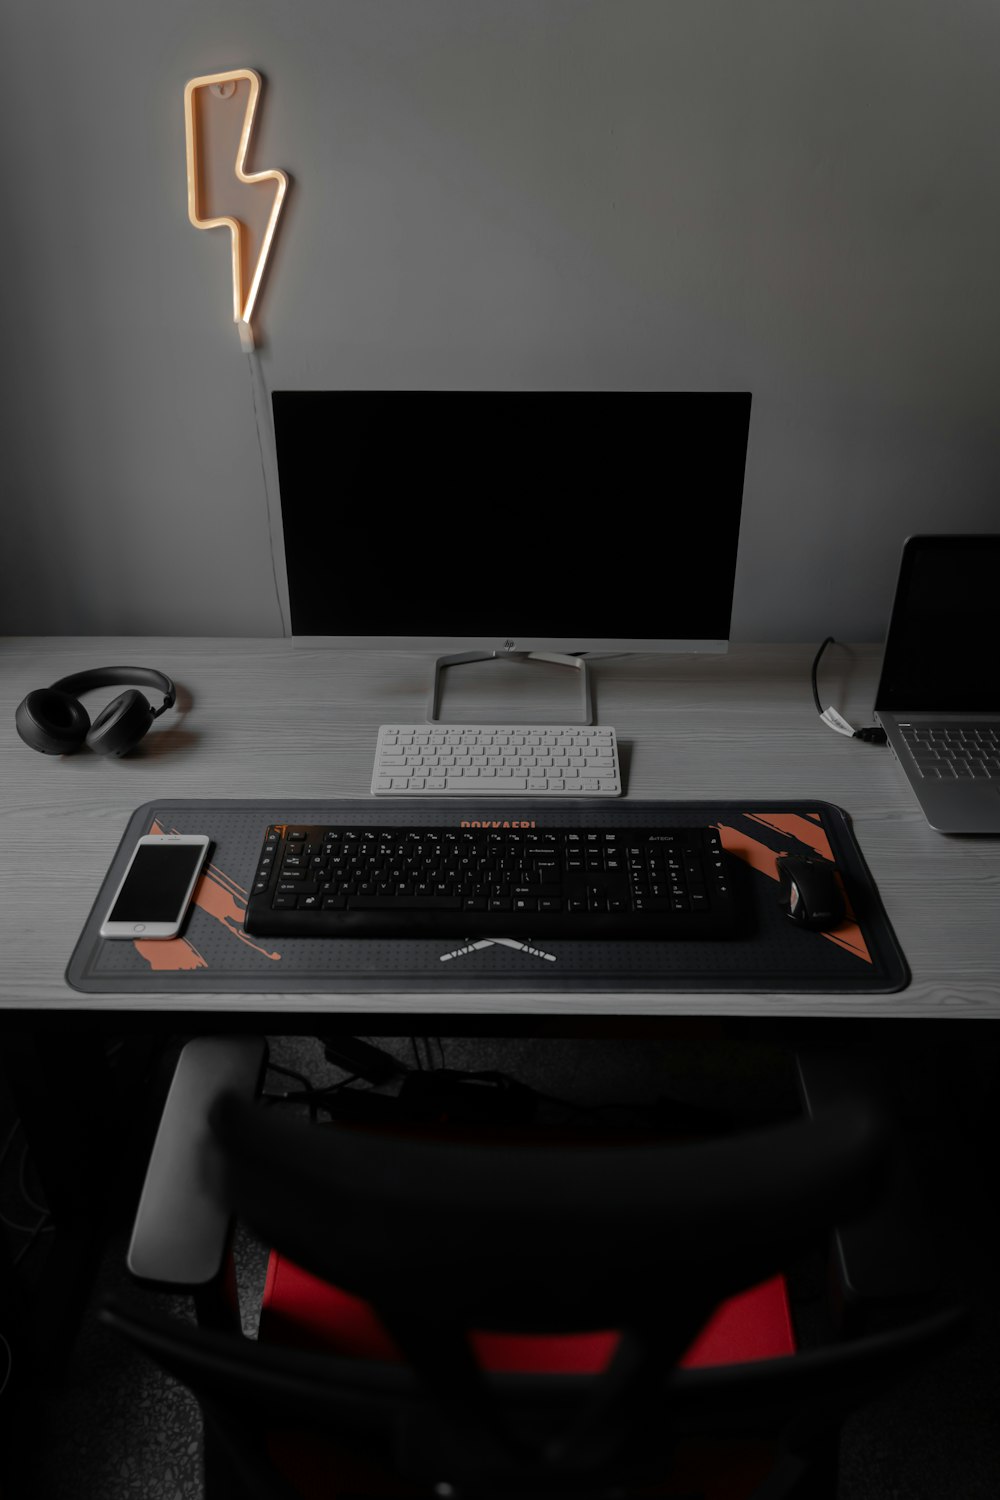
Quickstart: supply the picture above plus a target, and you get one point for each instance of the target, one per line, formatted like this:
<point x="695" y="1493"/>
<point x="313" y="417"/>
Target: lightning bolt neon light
<point x="224" y="85"/>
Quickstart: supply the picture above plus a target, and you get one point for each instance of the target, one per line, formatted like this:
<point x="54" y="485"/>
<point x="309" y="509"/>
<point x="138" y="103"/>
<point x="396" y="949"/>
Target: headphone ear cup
<point x="52" y="722"/>
<point x="119" y="727"/>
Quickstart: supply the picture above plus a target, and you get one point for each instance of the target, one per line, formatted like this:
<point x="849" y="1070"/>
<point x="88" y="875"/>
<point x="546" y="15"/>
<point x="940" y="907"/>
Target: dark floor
<point x="109" y="1425"/>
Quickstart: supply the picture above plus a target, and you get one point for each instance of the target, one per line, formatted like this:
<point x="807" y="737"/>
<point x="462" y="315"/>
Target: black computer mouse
<point x="810" y="892"/>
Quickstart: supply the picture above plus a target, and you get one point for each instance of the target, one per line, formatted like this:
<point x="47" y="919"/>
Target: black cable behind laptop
<point x="872" y="735"/>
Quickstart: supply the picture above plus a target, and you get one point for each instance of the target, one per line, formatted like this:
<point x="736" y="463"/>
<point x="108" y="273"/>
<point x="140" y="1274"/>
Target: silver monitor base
<point x="579" y="662"/>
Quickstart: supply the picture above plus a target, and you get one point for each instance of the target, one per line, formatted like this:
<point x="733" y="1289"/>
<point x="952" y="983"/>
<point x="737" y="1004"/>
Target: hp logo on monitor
<point x="508" y="645"/>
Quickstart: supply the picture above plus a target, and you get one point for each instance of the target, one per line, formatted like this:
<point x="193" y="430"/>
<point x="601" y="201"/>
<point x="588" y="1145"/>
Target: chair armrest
<point x="889" y="1253"/>
<point x="182" y="1224"/>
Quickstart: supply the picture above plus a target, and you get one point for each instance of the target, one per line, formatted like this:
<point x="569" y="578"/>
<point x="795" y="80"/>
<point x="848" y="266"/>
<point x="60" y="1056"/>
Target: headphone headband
<point x="84" y="682"/>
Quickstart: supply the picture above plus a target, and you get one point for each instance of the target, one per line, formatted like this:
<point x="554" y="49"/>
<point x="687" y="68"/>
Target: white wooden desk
<point x="279" y="718"/>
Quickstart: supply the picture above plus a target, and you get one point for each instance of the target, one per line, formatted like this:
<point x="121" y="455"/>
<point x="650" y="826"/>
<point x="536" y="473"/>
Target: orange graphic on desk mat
<point x="847" y="936"/>
<point x="175" y="953"/>
<point x="220" y="897"/>
<point x="800" y="828"/>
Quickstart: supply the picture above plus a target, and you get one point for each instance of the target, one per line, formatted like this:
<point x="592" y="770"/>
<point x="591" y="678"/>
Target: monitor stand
<point x="579" y="663"/>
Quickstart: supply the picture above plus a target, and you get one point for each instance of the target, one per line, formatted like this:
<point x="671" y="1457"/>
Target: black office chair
<point x="594" y="1268"/>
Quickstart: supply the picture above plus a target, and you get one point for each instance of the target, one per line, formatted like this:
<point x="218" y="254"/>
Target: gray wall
<point x="801" y="198"/>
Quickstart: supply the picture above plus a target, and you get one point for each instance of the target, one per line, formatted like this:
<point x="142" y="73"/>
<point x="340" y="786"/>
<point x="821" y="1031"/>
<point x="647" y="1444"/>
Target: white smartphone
<point x="155" y="890"/>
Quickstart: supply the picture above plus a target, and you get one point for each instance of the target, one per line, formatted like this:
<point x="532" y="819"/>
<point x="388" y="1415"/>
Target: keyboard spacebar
<point x="404" y="903"/>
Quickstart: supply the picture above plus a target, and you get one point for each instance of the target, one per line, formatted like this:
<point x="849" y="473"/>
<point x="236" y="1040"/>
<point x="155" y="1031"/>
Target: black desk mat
<point x="215" y="954"/>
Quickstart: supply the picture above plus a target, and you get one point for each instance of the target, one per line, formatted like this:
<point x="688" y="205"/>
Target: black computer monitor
<point x="512" y="522"/>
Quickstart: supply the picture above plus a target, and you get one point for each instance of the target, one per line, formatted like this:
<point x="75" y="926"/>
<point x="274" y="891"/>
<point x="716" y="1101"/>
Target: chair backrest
<point x="248" y="1390"/>
<point x="442" y="1237"/>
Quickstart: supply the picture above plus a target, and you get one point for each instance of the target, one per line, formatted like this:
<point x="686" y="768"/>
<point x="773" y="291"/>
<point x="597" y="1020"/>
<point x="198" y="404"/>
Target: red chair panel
<point x="302" y="1312"/>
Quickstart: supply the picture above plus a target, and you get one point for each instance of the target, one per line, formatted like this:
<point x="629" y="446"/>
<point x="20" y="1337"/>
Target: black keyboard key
<point x="405" y="903"/>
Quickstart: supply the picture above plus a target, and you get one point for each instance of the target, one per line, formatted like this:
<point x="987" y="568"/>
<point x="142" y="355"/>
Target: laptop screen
<point x="942" y="650"/>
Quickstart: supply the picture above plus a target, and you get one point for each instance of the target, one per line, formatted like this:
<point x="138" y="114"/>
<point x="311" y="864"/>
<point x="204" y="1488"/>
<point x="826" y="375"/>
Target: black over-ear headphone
<point x="53" y="720"/>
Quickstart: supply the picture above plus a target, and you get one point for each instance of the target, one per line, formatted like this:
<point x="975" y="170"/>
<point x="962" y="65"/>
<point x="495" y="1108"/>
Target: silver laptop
<point x="938" y="697"/>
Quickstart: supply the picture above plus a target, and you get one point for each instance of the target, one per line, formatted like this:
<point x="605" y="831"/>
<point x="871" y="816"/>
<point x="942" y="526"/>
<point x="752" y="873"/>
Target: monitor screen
<point x="943" y="642"/>
<point x="528" y="520"/>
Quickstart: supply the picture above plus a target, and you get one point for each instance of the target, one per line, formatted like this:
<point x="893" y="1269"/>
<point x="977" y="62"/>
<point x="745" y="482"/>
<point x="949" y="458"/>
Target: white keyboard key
<point x="499" y="761"/>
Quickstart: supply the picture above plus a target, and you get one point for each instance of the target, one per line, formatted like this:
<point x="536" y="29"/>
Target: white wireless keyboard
<point x="495" y="760"/>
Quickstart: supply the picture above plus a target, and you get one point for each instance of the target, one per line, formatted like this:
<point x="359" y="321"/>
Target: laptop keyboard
<point x="359" y="881"/>
<point x="463" y="760"/>
<point x="950" y="752"/>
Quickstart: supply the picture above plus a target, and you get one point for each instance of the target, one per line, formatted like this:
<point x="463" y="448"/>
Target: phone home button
<point x="139" y="927"/>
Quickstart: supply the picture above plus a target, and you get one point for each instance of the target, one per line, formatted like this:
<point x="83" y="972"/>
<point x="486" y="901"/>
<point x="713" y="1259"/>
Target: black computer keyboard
<point x="656" y="883"/>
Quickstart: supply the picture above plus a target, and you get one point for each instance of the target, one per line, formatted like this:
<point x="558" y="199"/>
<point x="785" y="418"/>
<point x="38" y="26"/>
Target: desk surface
<point x="280" y="717"/>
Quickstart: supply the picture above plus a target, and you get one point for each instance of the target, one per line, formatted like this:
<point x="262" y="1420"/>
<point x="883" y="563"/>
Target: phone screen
<point x="157" y="883"/>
